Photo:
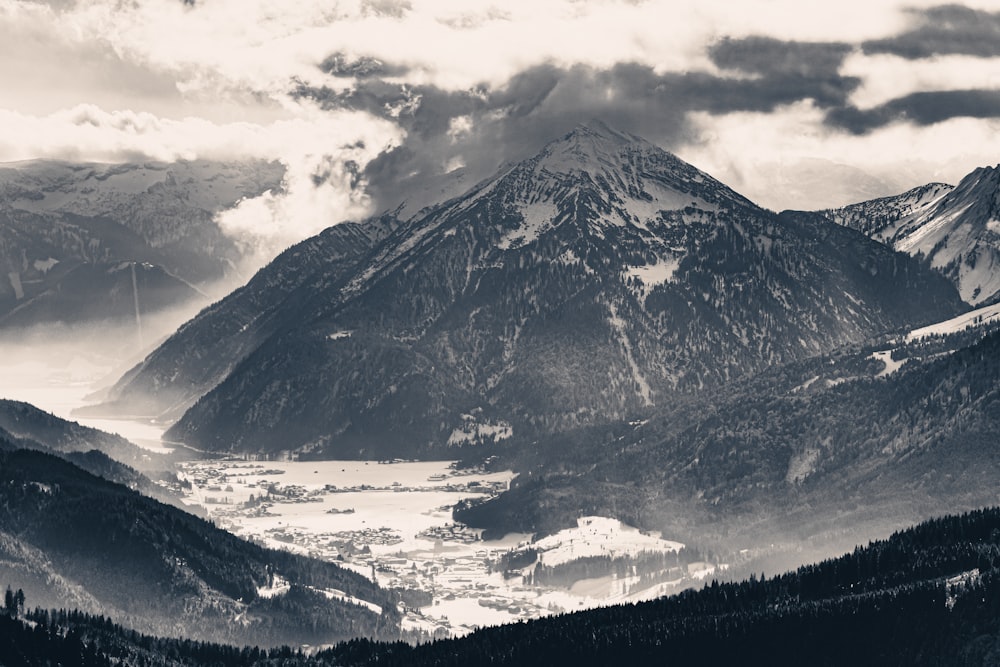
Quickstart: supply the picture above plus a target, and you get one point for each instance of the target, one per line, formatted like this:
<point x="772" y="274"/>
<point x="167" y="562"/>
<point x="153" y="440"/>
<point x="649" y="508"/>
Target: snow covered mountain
<point x="594" y="280"/>
<point x="954" y="230"/>
<point x="169" y="206"/>
<point x="873" y="216"/>
<point x="64" y="227"/>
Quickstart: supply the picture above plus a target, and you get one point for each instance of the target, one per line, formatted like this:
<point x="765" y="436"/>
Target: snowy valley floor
<point x="393" y="522"/>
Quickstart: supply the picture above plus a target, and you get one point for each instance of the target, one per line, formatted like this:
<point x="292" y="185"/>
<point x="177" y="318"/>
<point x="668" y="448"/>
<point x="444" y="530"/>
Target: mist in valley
<point x="405" y="320"/>
<point x="60" y="367"/>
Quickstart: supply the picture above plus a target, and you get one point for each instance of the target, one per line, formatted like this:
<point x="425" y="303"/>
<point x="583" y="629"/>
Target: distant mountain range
<point x="72" y="235"/>
<point x="590" y="283"/>
<point x="955" y="230"/>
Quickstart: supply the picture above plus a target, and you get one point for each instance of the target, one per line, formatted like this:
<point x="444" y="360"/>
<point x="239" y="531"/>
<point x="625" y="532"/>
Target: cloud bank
<point x="371" y="102"/>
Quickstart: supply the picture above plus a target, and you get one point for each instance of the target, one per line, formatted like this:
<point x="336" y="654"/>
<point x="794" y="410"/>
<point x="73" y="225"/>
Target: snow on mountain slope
<point x="873" y="216"/>
<point x="93" y="189"/>
<point x="169" y="207"/>
<point x="973" y="318"/>
<point x="954" y="230"/>
<point x="599" y="536"/>
<point x="631" y="183"/>
<point x="589" y="282"/>
<point x="64" y="225"/>
<point x="593" y="179"/>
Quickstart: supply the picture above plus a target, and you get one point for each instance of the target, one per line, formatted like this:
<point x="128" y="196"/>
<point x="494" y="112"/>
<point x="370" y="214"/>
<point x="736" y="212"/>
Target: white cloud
<point x="459" y="127"/>
<point x="323" y="156"/>
<point x="321" y="188"/>
<point x="87" y="132"/>
<point x="764" y="156"/>
<point x="117" y="79"/>
<point x="264" y="44"/>
<point x="885" y="77"/>
<point x="317" y="148"/>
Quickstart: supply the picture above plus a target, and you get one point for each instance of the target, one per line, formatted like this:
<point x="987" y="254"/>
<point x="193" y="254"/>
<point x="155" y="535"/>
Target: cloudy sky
<point x="793" y="103"/>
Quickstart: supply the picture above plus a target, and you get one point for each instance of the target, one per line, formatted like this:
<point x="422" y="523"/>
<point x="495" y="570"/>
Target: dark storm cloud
<point x="944" y="30"/>
<point x="767" y="56"/>
<point x="364" y="67"/>
<point x="542" y="102"/>
<point x="924" y="108"/>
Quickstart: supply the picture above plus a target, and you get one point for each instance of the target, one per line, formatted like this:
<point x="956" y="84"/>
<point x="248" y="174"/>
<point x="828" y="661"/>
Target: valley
<point x="598" y="378"/>
<point x="389" y="333"/>
<point x="58" y="379"/>
<point x="392" y="522"/>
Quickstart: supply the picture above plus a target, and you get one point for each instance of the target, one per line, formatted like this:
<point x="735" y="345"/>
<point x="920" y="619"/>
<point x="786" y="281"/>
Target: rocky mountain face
<point x="597" y="279"/>
<point x="65" y="227"/>
<point x="875" y="215"/>
<point x="205" y="350"/>
<point x="953" y="230"/>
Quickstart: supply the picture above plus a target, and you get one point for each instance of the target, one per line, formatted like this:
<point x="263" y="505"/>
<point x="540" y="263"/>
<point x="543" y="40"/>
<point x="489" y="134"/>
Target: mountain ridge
<point x="597" y="278"/>
<point x="163" y="570"/>
<point x="954" y="230"/>
<point x="837" y="445"/>
<point x="925" y="595"/>
<point x="66" y="227"/>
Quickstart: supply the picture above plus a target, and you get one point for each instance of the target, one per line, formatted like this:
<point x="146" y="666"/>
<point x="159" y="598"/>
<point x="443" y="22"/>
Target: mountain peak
<point x="581" y="285"/>
<point x="597" y="129"/>
<point x="596" y="176"/>
<point x="587" y="146"/>
<point x="954" y="230"/>
<point x="982" y="177"/>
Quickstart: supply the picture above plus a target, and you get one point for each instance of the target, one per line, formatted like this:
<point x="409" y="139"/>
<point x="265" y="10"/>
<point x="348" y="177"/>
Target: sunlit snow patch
<point x="475" y="431"/>
<point x="973" y="318"/>
<point x="891" y="365"/>
<point x="45" y="265"/>
<point x="334" y="594"/>
<point x="536" y="218"/>
<point x="953" y="586"/>
<point x="649" y="276"/>
<point x="279" y="586"/>
<point x="599" y="536"/>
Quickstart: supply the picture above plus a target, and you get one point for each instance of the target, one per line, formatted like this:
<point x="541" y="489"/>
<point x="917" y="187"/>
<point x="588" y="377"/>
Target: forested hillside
<point x="929" y="595"/>
<point x="24" y="420"/>
<point x="826" y="445"/>
<point x="73" y="535"/>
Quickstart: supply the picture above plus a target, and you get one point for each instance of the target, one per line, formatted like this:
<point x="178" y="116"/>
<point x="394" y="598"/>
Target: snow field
<point x="975" y="317"/>
<point x="598" y="536"/>
<point x="397" y="519"/>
